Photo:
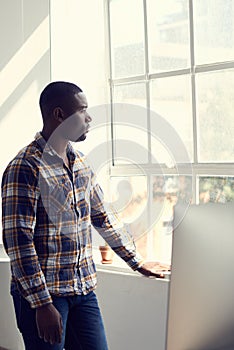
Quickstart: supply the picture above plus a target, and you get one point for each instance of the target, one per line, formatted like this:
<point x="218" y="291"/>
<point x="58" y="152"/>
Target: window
<point x="171" y="87"/>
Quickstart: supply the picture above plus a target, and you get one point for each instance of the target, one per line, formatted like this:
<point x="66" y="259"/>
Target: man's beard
<point x="81" y="138"/>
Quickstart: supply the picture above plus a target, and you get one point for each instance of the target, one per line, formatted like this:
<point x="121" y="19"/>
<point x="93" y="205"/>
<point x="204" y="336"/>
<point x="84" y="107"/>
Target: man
<point x="50" y="198"/>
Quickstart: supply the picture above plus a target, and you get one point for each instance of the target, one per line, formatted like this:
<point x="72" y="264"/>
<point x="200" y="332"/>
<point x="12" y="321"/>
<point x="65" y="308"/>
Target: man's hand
<point x="49" y="324"/>
<point x="153" y="269"/>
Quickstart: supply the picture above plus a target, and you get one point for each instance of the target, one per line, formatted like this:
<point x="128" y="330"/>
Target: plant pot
<point x="107" y="254"/>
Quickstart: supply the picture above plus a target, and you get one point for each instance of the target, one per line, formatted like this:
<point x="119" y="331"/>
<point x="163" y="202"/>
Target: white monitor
<point x="201" y="294"/>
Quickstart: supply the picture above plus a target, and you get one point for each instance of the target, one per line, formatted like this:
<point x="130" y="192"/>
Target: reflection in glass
<point x="168" y="30"/>
<point x="215" y="106"/>
<point x="213" y="31"/>
<point x="149" y="215"/>
<point x="167" y="191"/>
<point x="131" y="201"/>
<point x="127" y="37"/>
<point x="216" y="189"/>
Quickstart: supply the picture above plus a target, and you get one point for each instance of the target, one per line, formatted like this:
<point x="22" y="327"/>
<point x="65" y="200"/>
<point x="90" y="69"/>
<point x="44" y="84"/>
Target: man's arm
<point x="107" y="223"/>
<point x="20" y="194"/>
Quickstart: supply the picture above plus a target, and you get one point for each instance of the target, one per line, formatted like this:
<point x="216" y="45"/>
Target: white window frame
<point x="198" y="168"/>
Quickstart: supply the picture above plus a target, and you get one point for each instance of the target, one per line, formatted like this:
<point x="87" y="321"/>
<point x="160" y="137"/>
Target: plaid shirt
<point x="47" y="212"/>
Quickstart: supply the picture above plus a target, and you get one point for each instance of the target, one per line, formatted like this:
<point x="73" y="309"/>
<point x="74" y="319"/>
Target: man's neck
<point x="59" y="144"/>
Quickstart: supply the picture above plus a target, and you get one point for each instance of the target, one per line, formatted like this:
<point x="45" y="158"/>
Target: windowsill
<point x="117" y="261"/>
<point x="127" y="272"/>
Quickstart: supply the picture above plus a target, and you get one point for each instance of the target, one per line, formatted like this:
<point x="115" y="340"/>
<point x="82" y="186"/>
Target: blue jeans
<point x="83" y="327"/>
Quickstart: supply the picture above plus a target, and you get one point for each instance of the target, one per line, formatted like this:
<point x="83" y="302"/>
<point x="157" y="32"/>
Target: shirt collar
<point x="46" y="147"/>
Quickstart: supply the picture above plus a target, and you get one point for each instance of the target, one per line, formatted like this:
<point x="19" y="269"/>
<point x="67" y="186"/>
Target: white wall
<point x="78" y="46"/>
<point x="25" y="70"/>
<point x="134" y="310"/>
<point x="10" y="337"/>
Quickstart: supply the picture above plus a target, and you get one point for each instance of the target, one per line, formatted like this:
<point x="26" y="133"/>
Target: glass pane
<point x="168" y="30"/>
<point x="131" y="93"/>
<point x="167" y="190"/>
<point x="215" y="106"/>
<point x="130" y="124"/>
<point x="130" y="199"/>
<point x="150" y="225"/>
<point x="216" y="189"/>
<point x="127" y="37"/>
<point x="213" y="30"/>
<point x="171" y="99"/>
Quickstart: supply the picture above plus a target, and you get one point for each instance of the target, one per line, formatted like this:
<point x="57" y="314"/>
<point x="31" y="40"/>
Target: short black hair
<point x="56" y="94"/>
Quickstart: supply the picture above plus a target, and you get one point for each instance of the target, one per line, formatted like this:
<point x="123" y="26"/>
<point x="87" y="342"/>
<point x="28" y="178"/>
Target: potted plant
<point x="107" y="254"/>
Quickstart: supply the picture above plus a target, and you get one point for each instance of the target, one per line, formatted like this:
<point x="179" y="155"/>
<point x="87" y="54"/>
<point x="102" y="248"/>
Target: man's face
<point x="76" y="124"/>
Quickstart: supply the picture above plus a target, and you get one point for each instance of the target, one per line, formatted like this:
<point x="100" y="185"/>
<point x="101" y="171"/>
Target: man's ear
<point x="58" y="114"/>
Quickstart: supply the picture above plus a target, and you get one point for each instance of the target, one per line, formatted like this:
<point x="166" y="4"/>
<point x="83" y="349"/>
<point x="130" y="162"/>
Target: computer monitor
<point x="201" y="293"/>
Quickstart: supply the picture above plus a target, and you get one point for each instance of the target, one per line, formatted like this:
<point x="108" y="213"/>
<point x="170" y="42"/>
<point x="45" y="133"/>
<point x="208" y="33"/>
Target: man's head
<point x="64" y="109"/>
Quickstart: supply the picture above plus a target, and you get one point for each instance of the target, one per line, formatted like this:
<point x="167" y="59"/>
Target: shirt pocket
<point x="60" y="207"/>
<point x="59" y="198"/>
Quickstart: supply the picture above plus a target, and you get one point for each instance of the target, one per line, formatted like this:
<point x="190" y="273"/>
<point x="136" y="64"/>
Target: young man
<point x="50" y="198"/>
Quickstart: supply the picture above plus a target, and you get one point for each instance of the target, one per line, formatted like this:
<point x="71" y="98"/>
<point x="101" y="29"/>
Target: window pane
<point x="130" y="124"/>
<point x="171" y="99"/>
<point x="216" y="189"/>
<point x="168" y="30"/>
<point x="150" y="224"/>
<point x="215" y="105"/>
<point x="214" y="30"/>
<point x="130" y="199"/>
<point x="127" y="37"/>
<point x="131" y="93"/>
<point x="167" y="190"/>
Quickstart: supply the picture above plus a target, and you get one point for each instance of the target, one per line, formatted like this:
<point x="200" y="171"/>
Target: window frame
<point x="198" y="168"/>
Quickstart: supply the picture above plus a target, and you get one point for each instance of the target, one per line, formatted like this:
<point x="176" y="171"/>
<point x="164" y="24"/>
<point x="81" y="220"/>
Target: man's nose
<point x="88" y="117"/>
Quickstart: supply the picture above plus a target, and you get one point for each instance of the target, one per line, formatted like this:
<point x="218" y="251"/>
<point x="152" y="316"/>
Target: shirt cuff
<point x="39" y="299"/>
<point x="136" y="262"/>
